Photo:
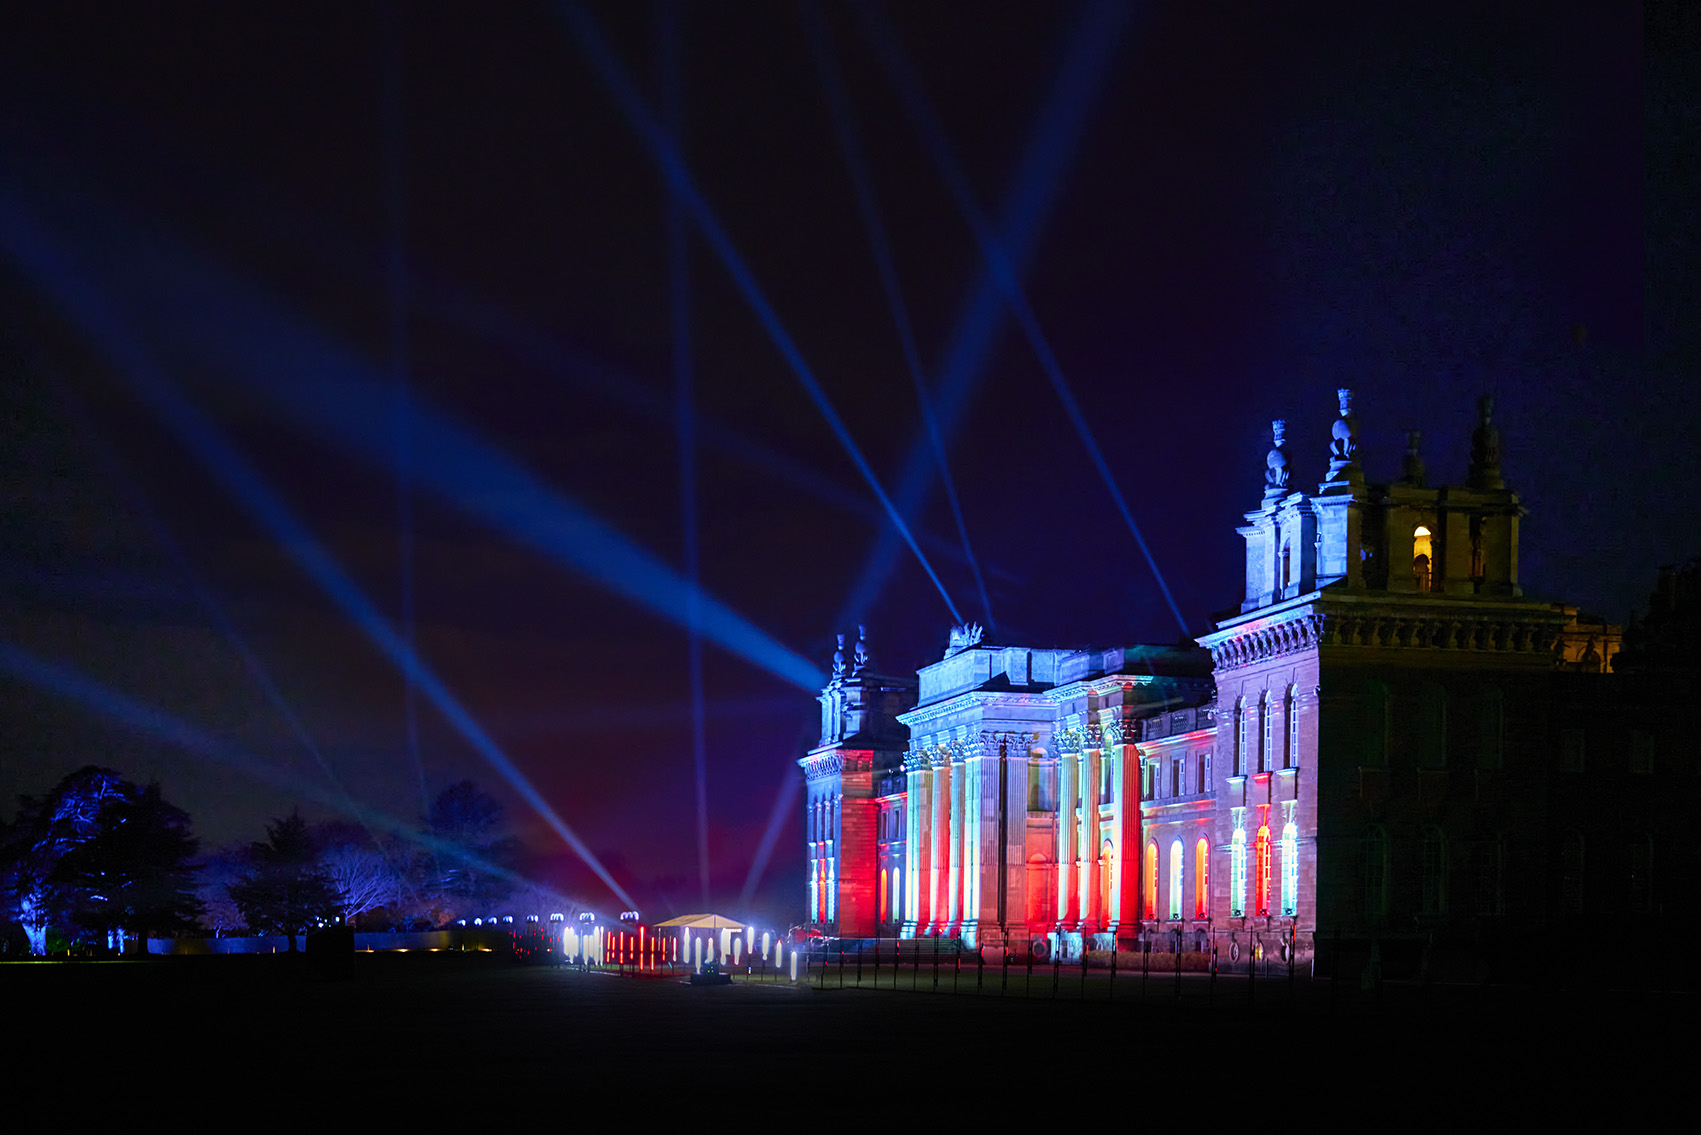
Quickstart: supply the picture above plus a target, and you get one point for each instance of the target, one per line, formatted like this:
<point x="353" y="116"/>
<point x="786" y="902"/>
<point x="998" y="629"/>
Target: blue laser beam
<point x="149" y="720"/>
<point x="335" y="396"/>
<point x="839" y="103"/>
<point x="30" y="246"/>
<point x="251" y="662"/>
<point x="1005" y="276"/>
<point x="783" y="801"/>
<point x="1039" y="177"/>
<point x="248" y="203"/>
<point x="667" y="158"/>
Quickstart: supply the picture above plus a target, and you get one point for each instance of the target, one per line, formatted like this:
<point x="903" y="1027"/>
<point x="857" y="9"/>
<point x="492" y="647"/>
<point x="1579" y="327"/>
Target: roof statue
<point x="963" y="637"/>
<point x="1276" y="463"/>
<point x="1412" y="471"/>
<point x="839" y="662"/>
<point x="1485" y="448"/>
<point x="1343" y="448"/>
<point x="859" y="659"/>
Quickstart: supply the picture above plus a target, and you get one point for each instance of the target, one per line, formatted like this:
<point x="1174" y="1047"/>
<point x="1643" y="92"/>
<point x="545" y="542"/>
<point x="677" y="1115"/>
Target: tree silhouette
<point x="97" y="857"/>
<point x="134" y="874"/>
<point x="477" y="868"/>
<point x="287" y="892"/>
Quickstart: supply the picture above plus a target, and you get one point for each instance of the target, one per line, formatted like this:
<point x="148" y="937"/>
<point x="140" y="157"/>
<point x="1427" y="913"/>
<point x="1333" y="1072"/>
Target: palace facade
<point x="1387" y="742"/>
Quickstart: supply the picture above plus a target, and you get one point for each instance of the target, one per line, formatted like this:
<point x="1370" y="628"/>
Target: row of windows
<point x="1573" y="752"/>
<point x="1183" y="774"/>
<point x="1265" y="753"/>
<point x="1201" y="890"/>
<point x="1261" y="893"/>
<point x="823" y="820"/>
<point x="1435" y="874"/>
<point x="1429" y="728"/>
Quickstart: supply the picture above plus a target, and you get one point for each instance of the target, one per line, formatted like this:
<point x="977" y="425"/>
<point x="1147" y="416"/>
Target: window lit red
<point x="1262" y="882"/>
<point x="1201" y="885"/>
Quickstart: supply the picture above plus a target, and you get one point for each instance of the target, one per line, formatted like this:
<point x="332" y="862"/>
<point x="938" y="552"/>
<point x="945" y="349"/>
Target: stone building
<point x="1382" y="748"/>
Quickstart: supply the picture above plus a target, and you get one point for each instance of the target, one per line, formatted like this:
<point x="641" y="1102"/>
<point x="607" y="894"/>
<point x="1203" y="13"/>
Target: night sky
<point x="380" y="251"/>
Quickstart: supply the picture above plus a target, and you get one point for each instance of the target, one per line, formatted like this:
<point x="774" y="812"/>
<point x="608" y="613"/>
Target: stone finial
<point x="839" y="661"/>
<point x="859" y="659"/>
<point x="1343" y="447"/>
<point x="1276" y="463"/>
<point x="1412" y="472"/>
<point x="1485" y="448"/>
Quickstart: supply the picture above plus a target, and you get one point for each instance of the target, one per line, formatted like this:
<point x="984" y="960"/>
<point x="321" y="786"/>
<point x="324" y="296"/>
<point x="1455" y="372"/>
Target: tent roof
<point x="702" y="922"/>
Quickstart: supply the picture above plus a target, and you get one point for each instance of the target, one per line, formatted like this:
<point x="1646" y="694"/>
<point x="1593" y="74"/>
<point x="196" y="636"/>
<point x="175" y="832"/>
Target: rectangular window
<point x="1571" y="755"/>
<point x="1175" y="778"/>
<point x="1641" y="753"/>
<point x="1267" y="760"/>
<point x="1293" y="731"/>
<point x="1240" y="739"/>
<point x="1201" y="782"/>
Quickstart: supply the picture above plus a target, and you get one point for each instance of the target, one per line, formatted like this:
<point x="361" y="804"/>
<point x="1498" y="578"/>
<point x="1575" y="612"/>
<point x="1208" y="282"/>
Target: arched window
<point x="1423" y="558"/>
<point x="1201" y="885"/>
<point x="897" y="894"/>
<point x="1262" y="879"/>
<point x="1237" y="874"/>
<point x="1152" y="880"/>
<point x="1376" y="875"/>
<point x="1433" y="872"/>
<point x="1290" y="870"/>
<point x="1107" y="869"/>
<point x="1175" y="856"/>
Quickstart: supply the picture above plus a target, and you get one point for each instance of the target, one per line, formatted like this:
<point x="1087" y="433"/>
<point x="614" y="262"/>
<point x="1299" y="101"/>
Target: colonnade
<point x="953" y="848"/>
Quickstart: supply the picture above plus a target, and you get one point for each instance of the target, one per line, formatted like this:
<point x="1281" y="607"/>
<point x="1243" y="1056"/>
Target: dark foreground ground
<point x="392" y="1035"/>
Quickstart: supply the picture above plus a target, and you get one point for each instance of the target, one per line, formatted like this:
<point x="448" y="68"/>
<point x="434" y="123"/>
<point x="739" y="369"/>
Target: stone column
<point x="1092" y="918"/>
<point x="1068" y="831"/>
<point x="939" y="912"/>
<point x="918" y="851"/>
<point x="958" y="838"/>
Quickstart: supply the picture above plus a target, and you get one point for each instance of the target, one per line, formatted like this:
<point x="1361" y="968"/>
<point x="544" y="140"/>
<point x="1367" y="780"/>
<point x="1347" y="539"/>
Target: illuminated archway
<point x="1151" y="903"/>
<point x="1175" y="857"/>
<point x="1201" y="885"/>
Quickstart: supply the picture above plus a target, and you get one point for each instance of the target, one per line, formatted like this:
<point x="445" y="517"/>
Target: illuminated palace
<point x="1388" y="740"/>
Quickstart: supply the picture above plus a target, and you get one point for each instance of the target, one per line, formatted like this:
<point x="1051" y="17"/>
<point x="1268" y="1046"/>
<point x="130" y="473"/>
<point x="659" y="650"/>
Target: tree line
<point x="99" y="864"/>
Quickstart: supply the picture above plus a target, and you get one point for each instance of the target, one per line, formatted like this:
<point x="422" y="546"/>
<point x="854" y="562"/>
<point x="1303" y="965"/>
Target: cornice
<point x="1504" y="628"/>
<point x="969" y="700"/>
<point x="832" y="762"/>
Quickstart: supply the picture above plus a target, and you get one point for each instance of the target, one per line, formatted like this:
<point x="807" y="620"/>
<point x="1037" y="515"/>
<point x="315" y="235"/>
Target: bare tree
<point x="362" y="878"/>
